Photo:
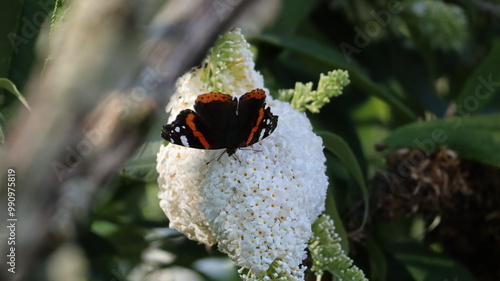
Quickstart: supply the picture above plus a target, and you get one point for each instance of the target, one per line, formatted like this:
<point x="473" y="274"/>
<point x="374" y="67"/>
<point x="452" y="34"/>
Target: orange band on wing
<point x="196" y="133"/>
<point x="256" y="127"/>
<point x="213" y="96"/>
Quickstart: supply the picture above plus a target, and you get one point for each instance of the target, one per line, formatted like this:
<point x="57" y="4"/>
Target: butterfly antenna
<point x="220" y="155"/>
<point x="236" y="157"/>
<point x="217" y="156"/>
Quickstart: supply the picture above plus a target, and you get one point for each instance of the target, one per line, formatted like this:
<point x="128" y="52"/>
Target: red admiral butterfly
<point x="221" y="121"/>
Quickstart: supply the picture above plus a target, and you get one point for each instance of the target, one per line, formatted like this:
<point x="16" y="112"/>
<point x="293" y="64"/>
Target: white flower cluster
<point x="259" y="208"/>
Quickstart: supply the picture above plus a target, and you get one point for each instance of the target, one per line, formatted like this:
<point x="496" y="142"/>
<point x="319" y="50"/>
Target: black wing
<point x="189" y="130"/>
<point x="208" y="126"/>
<point x="256" y="121"/>
<point x="218" y="113"/>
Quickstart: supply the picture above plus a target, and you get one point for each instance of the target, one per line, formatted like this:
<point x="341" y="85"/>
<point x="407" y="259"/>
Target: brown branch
<point x="93" y="106"/>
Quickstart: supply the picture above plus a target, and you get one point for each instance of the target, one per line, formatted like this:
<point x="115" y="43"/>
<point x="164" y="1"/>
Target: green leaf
<point x="59" y="11"/>
<point x="292" y="15"/>
<point x="425" y="265"/>
<point x="10" y="13"/>
<point x="332" y="210"/>
<point x="337" y="146"/>
<point x="142" y="167"/>
<point x="378" y="262"/>
<point x="337" y="60"/>
<point x="9" y="86"/>
<point x="482" y="85"/>
<point x="476" y="138"/>
<point x="21" y="23"/>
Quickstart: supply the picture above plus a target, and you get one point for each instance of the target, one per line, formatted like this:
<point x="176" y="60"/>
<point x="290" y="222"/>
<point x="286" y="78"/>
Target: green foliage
<point x="9" y="86"/>
<point x="58" y="14"/>
<point x="327" y="253"/>
<point x="336" y="145"/>
<point x="303" y="97"/>
<point x="142" y="166"/>
<point x="422" y="263"/>
<point x="482" y="86"/>
<point x="21" y="23"/>
<point x="443" y="25"/>
<point x="476" y="137"/>
<point x="335" y="59"/>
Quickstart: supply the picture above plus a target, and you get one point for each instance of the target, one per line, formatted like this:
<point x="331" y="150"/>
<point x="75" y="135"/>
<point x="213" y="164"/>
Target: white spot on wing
<point x="262" y="133"/>
<point x="177" y="129"/>
<point x="184" y="141"/>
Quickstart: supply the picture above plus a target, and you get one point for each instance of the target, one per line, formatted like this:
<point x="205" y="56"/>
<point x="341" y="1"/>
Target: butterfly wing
<point x="208" y="126"/>
<point x="214" y="123"/>
<point x="187" y="130"/>
<point x="218" y="111"/>
<point x="256" y="121"/>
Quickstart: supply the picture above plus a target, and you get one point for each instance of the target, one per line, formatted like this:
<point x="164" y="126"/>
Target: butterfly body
<point x="220" y="121"/>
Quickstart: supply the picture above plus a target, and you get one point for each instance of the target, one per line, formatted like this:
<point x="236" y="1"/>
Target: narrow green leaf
<point x="19" y="30"/>
<point x="332" y="210"/>
<point x="482" y="85"/>
<point x="9" y="86"/>
<point x="11" y="14"/>
<point x="476" y="138"/>
<point x="424" y="264"/>
<point x="337" y="60"/>
<point x="377" y="260"/>
<point x="337" y="146"/>
<point x="312" y="49"/>
<point x="292" y="14"/>
<point x="59" y="11"/>
<point x="142" y="167"/>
